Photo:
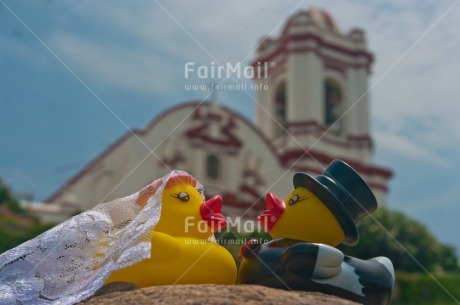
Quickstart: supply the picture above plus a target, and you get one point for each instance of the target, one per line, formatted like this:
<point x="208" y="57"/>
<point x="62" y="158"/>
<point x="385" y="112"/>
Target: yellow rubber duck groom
<point x="320" y="214"/>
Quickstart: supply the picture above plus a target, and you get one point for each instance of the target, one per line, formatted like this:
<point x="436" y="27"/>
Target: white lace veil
<point x="69" y="262"/>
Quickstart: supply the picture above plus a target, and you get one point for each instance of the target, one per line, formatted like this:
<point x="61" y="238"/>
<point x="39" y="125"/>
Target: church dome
<point x="322" y="19"/>
<point x="316" y="16"/>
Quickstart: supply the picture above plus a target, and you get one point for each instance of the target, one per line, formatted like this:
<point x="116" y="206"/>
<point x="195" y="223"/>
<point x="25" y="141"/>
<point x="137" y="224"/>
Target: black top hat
<point x="344" y="193"/>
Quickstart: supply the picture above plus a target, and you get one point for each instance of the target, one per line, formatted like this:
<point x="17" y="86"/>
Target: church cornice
<point x="355" y="58"/>
<point x="312" y="127"/>
<point x="295" y="155"/>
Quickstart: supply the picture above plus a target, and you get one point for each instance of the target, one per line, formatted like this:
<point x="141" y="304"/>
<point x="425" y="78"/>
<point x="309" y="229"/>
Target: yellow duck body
<point x="184" y="261"/>
<point x="181" y="252"/>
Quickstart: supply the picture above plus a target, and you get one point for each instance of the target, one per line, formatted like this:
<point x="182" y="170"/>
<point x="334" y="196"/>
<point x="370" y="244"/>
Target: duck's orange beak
<point x="275" y="208"/>
<point x="210" y="212"/>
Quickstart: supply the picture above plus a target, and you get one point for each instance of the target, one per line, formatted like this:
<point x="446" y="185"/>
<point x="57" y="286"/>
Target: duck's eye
<point x="183" y="196"/>
<point x="293" y="200"/>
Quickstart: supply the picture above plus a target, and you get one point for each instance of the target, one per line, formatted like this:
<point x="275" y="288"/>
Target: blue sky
<point x="75" y="74"/>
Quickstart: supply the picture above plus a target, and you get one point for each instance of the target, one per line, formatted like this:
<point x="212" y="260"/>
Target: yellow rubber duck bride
<point x="157" y="236"/>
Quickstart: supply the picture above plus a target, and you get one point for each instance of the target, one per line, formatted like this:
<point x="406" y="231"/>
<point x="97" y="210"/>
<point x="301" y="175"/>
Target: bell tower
<point x="317" y="84"/>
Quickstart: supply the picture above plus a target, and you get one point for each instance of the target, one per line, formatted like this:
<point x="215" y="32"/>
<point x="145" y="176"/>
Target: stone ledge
<point x="214" y="295"/>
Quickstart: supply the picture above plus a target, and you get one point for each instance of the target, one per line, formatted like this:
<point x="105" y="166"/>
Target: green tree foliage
<point x="422" y="289"/>
<point x="7" y="199"/>
<point x="13" y="233"/>
<point x="406" y="242"/>
<point x="16" y="226"/>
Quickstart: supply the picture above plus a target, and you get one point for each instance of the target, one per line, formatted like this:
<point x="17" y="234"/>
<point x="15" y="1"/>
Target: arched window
<point x="280" y="108"/>
<point x="212" y="167"/>
<point x="332" y="103"/>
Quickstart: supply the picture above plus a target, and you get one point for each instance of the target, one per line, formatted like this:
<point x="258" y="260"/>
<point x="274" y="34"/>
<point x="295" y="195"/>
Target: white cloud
<point x="403" y="147"/>
<point x="416" y="104"/>
<point x="125" y="67"/>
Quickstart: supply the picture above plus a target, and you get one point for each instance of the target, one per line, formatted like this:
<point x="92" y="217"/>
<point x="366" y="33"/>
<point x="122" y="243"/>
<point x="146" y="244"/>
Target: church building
<point x="315" y="110"/>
